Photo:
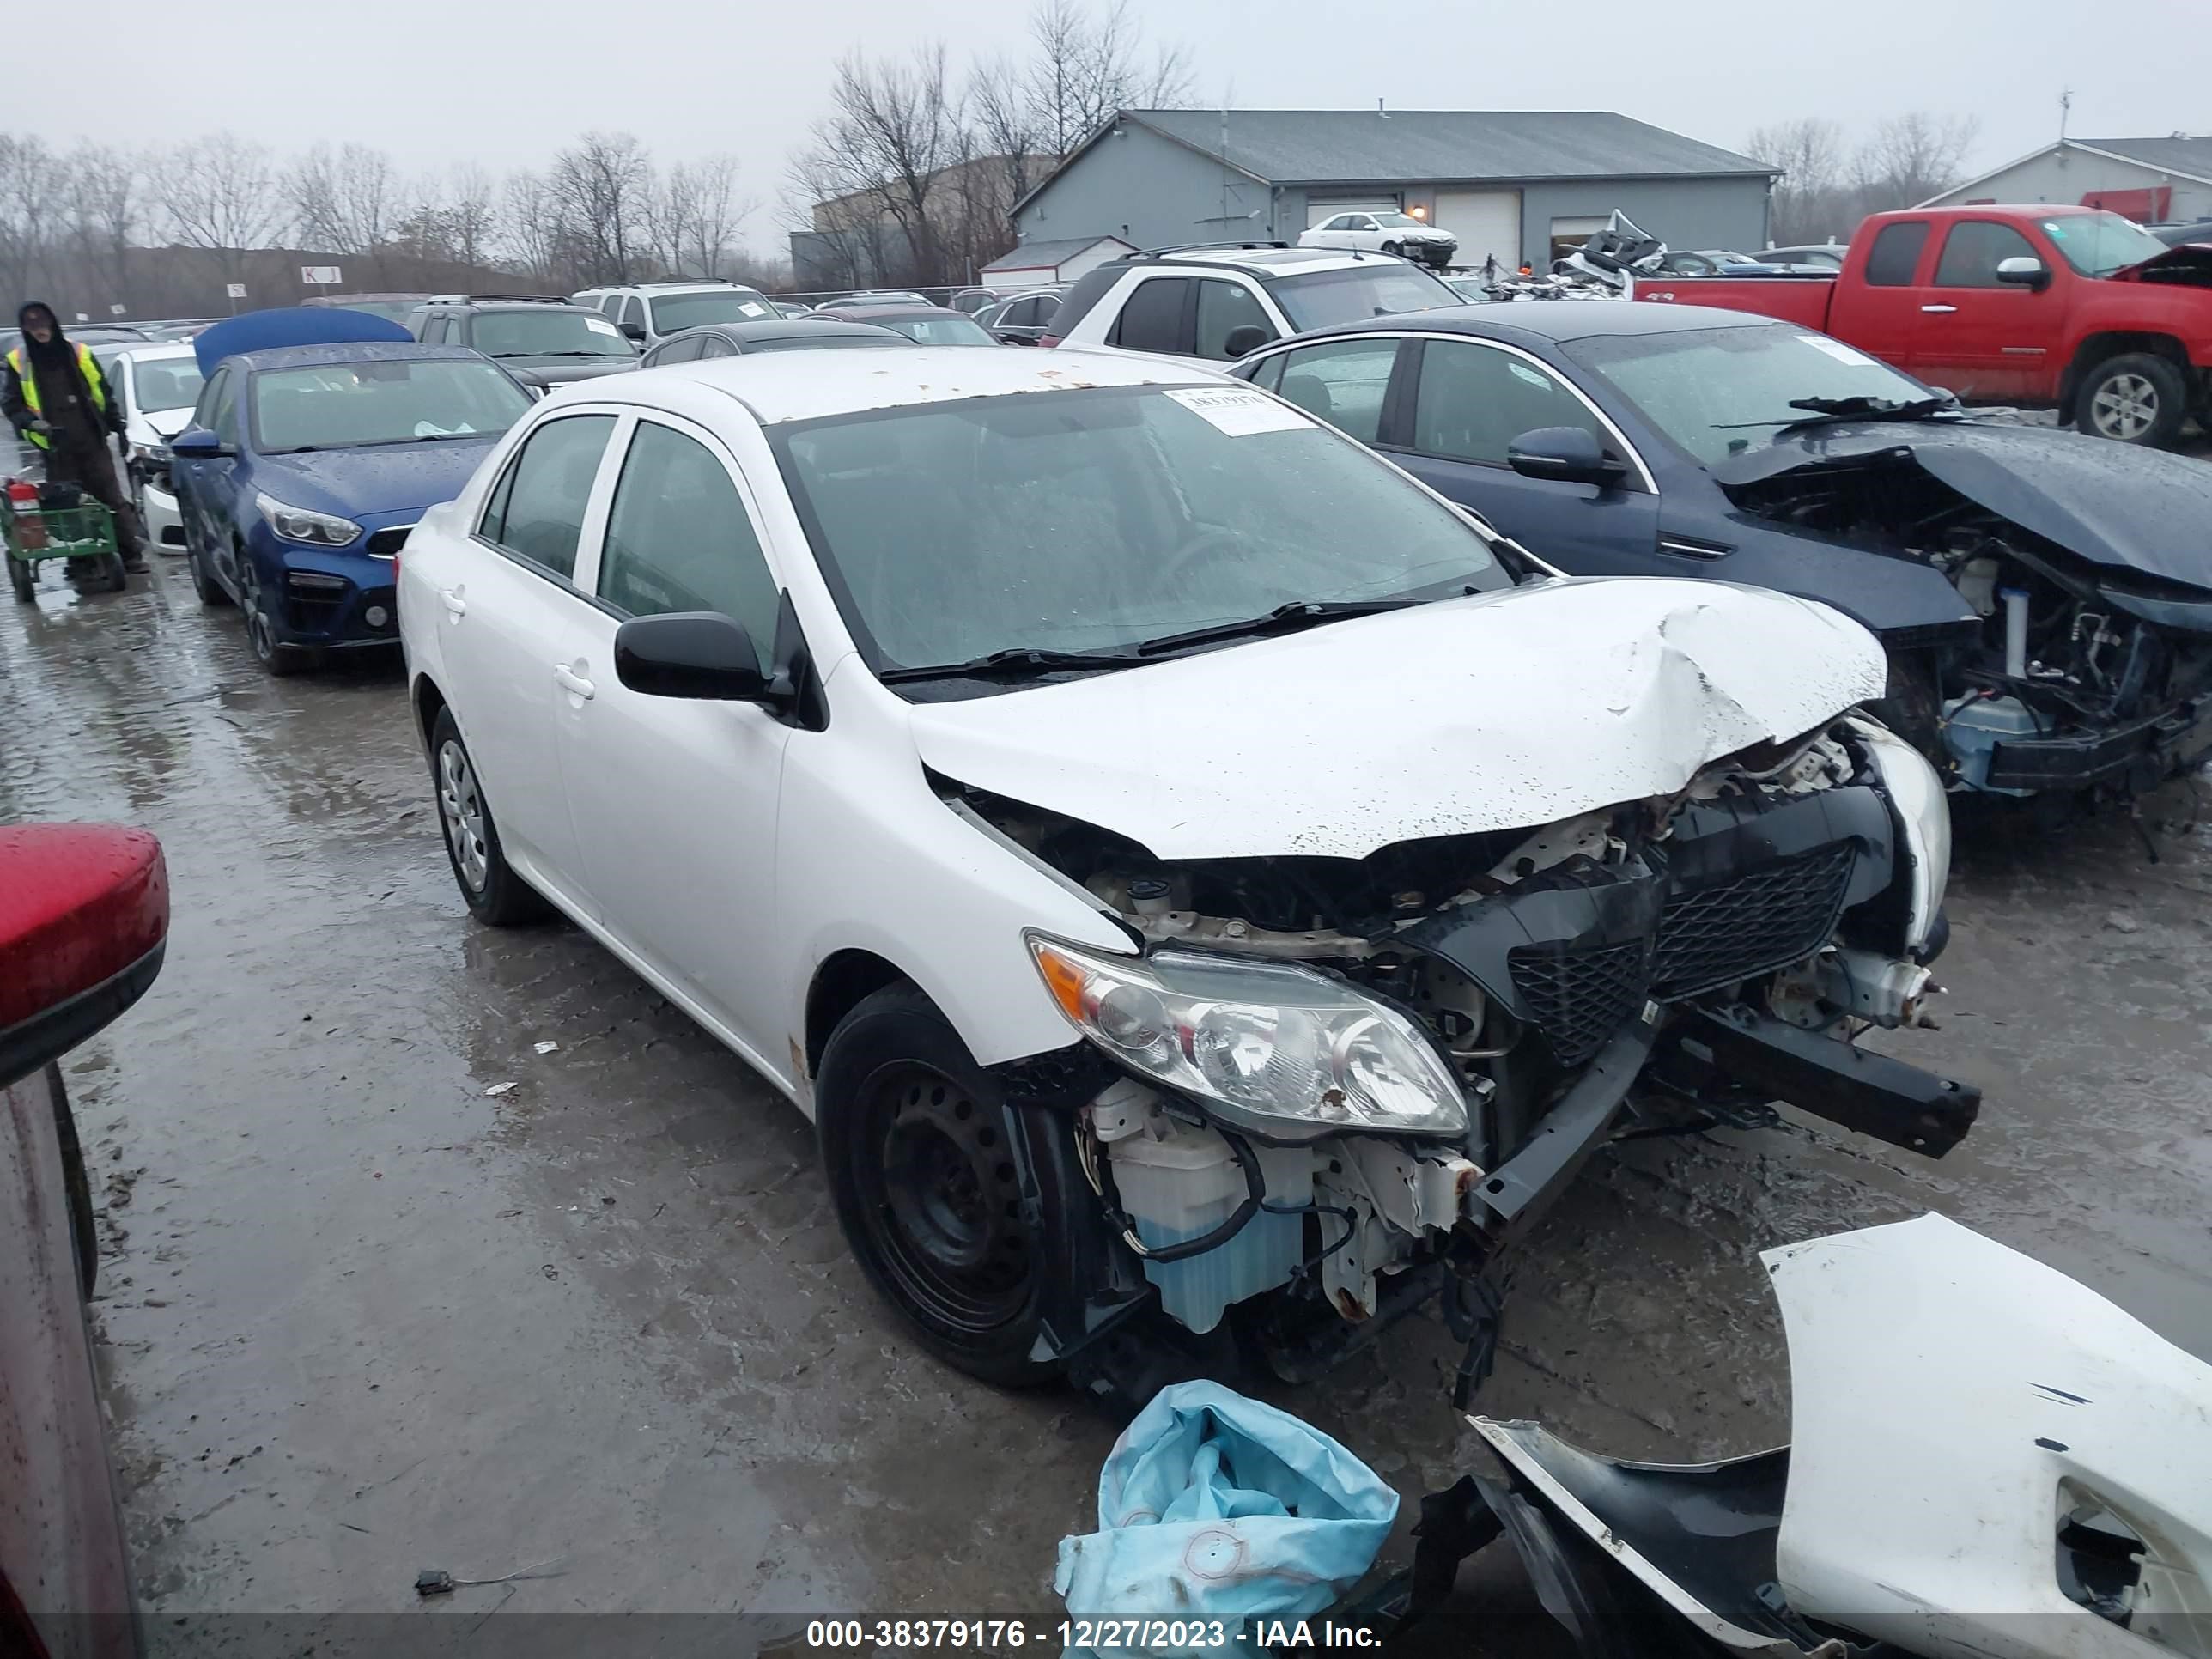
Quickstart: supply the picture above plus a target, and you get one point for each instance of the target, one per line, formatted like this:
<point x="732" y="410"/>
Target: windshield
<point x="343" y="406"/>
<point x="1719" y="391"/>
<point x="2098" y="244"/>
<point x="1327" y="299"/>
<point x="554" y="331"/>
<point x="826" y="342"/>
<point x="165" y="383"/>
<point x="1093" y="520"/>
<point x="671" y="311"/>
<point x="1398" y="221"/>
<point x="952" y="329"/>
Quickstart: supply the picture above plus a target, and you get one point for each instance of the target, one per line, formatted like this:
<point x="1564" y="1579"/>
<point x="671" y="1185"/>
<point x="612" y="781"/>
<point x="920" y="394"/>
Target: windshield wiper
<point x="1018" y="663"/>
<point x="1283" y="619"/>
<point x="557" y="353"/>
<point x="1820" y="411"/>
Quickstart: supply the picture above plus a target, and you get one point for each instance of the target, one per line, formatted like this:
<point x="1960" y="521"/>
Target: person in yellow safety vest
<point x="53" y="393"/>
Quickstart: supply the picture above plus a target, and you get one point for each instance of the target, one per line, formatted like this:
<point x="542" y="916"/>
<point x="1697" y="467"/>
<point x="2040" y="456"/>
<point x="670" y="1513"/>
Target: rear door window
<point x="1895" y="256"/>
<point x="537" y="510"/>
<point x="1152" y="317"/>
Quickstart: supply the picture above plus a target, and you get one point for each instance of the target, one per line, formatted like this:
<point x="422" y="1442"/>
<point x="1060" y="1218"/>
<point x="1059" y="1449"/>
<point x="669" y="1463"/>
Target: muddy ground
<point x="385" y="1288"/>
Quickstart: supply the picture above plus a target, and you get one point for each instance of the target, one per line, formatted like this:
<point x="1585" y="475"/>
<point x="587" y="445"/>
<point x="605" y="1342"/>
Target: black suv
<point x="545" y="339"/>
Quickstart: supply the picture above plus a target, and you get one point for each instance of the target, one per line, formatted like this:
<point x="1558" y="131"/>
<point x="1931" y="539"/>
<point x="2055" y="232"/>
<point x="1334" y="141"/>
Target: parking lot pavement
<point x="385" y="1288"/>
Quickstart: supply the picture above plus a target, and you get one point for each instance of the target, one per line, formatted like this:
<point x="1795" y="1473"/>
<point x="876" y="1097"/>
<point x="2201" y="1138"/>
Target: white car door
<point x="675" y="799"/>
<point x="1364" y="233"/>
<point x="506" y="599"/>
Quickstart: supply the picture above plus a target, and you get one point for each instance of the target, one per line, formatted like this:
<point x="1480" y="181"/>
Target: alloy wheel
<point x="461" y="809"/>
<point x="2125" y="407"/>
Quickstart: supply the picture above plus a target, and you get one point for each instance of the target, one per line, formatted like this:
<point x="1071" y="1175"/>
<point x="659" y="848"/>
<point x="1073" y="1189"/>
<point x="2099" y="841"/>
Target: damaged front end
<point x="2089" y="563"/>
<point x="1325" y="1090"/>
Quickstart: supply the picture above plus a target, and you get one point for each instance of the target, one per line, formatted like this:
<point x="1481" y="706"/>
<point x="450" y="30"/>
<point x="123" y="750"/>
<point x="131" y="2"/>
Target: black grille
<point x="1754" y="924"/>
<point x="1580" y="1001"/>
<point x="386" y="543"/>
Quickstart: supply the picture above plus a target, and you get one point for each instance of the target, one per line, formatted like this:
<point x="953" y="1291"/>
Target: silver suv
<point x="648" y="312"/>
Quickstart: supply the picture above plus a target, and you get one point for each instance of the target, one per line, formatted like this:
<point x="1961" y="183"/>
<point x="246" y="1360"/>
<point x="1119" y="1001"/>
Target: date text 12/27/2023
<point x="1008" y="1635"/>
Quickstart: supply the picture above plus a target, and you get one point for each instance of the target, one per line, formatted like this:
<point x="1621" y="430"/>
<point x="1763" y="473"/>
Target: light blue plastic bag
<point x="1213" y="1506"/>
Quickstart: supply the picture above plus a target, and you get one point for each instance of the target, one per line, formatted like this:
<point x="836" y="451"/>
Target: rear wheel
<point x="2137" y="398"/>
<point x="22" y="576"/>
<point x="495" y="896"/>
<point x="926" y="1176"/>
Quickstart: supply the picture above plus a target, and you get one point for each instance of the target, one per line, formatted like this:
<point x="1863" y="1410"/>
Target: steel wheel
<point x="944" y="1201"/>
<point x="461" y="808"/>
<point x="2125" y="407"/>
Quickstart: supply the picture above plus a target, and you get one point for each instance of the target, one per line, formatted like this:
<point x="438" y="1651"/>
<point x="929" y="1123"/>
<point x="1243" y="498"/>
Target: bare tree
<point x="1091" y="62"/>
<point x="875" y="161"/>
<point x="1008" y="126"/>
<point x="219" y="193"/>
<point x="29" y="176"/>
<point x="344" y="200"/>
<point x="716" y="211"/>
<point x="470" y="218"/>
<point x="533" y="235"/>
<point x="1913" y="156"/>
<point x="1808" y="198"/>
<point x="600" y="190"/>
<point x="104" y="204"/>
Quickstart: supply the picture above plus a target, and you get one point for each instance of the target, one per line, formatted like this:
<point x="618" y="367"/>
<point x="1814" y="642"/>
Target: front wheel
<point x="22" y="576"/>
<point x="1396" y="250"/>
<point x="261" y="625"/>
<point x="2137" y="398"/>
<point x="919" y="1147"/>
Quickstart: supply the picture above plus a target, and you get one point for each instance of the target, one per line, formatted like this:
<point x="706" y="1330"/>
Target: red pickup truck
<point x="2066" y="306"/>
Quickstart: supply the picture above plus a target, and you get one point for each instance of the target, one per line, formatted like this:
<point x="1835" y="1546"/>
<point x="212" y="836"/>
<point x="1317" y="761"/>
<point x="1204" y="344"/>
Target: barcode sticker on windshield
<point x="601" y="325"/>
<point x="1839" y="351"/>
<point x="1239" y="411"/>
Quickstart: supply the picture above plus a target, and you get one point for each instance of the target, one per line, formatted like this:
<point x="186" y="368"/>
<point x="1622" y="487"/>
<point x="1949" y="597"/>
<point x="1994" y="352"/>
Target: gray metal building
<point x="1514" y="184"/>
<point x="2146" y="179"/>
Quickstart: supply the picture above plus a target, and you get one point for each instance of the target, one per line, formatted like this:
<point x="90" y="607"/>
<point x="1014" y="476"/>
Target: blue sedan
<point x="2047" y="606"/>
<point x="304" y="467"/>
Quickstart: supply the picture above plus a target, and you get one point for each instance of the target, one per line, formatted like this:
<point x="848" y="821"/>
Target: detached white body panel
<point x="1952" y="1399"/>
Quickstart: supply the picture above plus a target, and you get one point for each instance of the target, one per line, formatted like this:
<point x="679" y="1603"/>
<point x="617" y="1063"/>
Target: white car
<point x="158" y="385"/>
<point x="1156" y="840"/>
<point x="1385" y="232"/>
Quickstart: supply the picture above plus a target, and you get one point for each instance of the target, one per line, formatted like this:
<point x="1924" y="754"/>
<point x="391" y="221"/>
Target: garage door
<point x="1317" y="212"/>
<point x="1486" y="221"/>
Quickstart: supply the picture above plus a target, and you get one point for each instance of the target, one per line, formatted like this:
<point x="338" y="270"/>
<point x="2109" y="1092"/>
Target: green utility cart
<point x="85" y="531"/>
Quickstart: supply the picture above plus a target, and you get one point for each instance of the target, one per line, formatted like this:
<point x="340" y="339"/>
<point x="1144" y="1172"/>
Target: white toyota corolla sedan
<point x="1177" y="859"/>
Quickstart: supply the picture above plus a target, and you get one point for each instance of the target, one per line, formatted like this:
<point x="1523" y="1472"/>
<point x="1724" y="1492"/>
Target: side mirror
<point x="1246" y="339"/>
<point x="195" y="443"/>
<point x="634" y="332"/>
<point x="690" y="653"/>
<point x="2021" y="271"/>
<point x="1571" y="453"/>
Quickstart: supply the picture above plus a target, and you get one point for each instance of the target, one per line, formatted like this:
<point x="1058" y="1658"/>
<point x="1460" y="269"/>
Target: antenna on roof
<point x="1380" y="111"/>
<point x="2065" y="108"/>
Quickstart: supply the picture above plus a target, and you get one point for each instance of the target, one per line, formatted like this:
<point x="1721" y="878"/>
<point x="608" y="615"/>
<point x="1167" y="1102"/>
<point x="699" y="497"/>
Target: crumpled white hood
<point x="1502" y="711"/>
<point x="167" y="423"/>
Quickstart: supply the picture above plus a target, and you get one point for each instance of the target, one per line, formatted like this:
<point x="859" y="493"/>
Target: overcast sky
<point x="505" y="84"/>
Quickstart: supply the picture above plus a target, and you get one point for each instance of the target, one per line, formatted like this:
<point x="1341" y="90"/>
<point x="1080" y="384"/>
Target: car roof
<point x="896" y="311"/>
<point x="1555" y="320"/>
<point x="800" y="386"/>
<point x="354" y="351"/>
<point x="1259" y="259"/>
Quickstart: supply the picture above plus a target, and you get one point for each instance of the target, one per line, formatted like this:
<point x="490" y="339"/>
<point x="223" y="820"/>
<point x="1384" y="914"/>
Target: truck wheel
<point x="917" y="1140"/>
<point x="2136" y="397"/>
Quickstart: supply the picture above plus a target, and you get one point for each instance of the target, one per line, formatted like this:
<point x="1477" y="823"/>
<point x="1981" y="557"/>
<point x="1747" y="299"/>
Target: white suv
<point x="648" y="312"/>
<point x="1175" y="858"/>
<point x="1385" y="232"/>
<point x="1223" y="302"/>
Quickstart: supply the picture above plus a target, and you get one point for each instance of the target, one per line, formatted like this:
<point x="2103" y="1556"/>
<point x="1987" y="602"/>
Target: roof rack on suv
<point x="1194" y="247"/>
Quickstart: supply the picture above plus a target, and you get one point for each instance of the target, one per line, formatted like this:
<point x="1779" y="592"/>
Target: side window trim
<point x="1645" y="484"/>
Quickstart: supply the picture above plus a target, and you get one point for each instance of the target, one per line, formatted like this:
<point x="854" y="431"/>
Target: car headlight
<point x="1279" y="1049"/>
<point x="151" y="454"/>
<point x="1915" y="791"/>
<point x="297" y="524"/>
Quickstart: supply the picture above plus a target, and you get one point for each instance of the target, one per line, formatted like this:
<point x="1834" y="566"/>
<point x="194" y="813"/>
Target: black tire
<point x="1394" y="249"/>
<point x="212" y="593"/>
<point x="495" y="896"/>
<point x="118" y="577"/>
<point x="919" y="1145"/>
<point x="23" y="577"/>
<point x="261" y="627"/>
<point x="2137" y="398"/>
<point x="77" y="1186"/>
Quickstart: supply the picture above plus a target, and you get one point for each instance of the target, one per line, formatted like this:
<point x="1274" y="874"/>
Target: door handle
<point x="453" y="601"/>
<point x="571" y="681"/>
<point x="1939" y="308"/>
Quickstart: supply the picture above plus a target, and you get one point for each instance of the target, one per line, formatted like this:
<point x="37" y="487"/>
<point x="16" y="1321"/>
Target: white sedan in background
<point x="1143" y="828"/>
<point x="158" y="385"/>
<point x="1385" y="232"/>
